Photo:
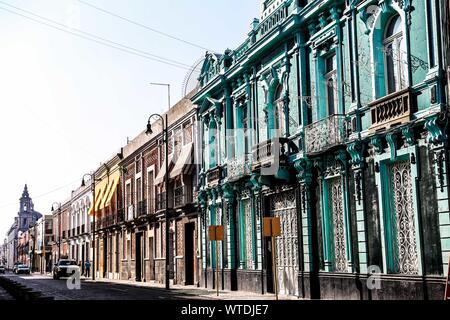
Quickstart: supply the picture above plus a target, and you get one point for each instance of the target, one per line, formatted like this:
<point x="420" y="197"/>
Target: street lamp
<point x="93" y="180"/>
<point x="166" y="176"/>
<point x="58" y="243"/>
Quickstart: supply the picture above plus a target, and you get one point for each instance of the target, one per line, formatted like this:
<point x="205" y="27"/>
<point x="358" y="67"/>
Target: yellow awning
<point x="113" y="183"/>
<point x="162" y="171"/>
<point x="99" y="191"/>
<point x="183" y="160"/>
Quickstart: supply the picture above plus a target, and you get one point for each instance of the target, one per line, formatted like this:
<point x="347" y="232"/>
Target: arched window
<point x="395" y="60"/>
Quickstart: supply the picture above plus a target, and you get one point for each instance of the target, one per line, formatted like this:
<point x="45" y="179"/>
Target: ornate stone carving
<point x="408" y="134"/>
<point x="436" y="133"/>
<point x="356" y="150"/>
<point x="391" y="139"/>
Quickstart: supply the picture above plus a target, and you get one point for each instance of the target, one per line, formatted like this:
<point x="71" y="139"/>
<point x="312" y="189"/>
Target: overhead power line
<point x="43" y="194"/>
<point x="97" y="39"/>
<point x="144" y="26"/>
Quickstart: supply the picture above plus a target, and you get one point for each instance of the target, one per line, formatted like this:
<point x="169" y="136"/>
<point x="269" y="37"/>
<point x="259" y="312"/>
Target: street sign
<point x="272" y="227"/>
<point x="216" y="234"/>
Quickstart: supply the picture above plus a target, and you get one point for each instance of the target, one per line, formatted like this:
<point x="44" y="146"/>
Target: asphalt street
<point x="59" y="290"/>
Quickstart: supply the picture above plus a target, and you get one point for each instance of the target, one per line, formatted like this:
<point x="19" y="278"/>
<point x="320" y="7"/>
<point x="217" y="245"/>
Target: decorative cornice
<point x="391" y="139"/>
<point x="356" y="151"/>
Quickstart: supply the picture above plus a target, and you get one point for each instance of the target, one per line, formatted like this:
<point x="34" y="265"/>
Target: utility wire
<point x="144" y="26"/>
<point x="108" y="43"/>
<point x="44" y="194"/>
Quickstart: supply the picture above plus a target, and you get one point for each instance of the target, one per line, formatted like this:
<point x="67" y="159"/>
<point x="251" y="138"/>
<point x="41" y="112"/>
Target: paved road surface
<point x="4" y="295"/>
<point x="102" y="290"/>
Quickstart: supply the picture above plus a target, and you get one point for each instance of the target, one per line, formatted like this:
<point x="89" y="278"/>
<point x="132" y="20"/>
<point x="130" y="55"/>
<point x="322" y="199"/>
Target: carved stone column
<point x="304" y="167"/>
<point x="356" y="150"/>
<point x="438" y="141"/>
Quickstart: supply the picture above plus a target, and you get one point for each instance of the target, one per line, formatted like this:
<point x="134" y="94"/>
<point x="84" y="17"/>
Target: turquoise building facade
<point x="331" y="115"/>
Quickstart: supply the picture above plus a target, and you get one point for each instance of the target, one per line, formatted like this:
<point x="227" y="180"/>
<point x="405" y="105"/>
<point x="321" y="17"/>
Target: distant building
<point x="17" y="238"/>
<point x="40" y="244"/>
<point x="3" y="253"/>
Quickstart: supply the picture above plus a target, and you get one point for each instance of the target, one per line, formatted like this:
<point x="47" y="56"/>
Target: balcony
<point x="239" y="167"/>
<point x="151" y="204"/>
<point x="121" y="215"/>
<point x="160" y="201"/>
<point x="325" y="134"/>
<point x="181" y="196"/>
<point x="273" y="152"/>
<point x="142" y="208"/>
<point x="391" y="111"/>
<point x="276" y="18"/>
<point x="213" y="175"/>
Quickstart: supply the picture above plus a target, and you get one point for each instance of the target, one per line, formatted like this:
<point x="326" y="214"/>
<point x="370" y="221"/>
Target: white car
<point x="22" y="269"/>
<point x="65" y="268"/>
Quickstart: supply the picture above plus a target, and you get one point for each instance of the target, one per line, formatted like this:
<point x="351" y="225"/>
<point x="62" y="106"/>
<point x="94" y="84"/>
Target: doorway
<point x="151" y="259"/>
<point x="105" y="256"/>
<point x="138" y="257"/>
<point x="189" y="252"/>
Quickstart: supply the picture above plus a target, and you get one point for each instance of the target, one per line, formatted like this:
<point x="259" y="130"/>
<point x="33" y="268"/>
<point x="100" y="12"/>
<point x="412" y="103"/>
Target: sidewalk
<point x="210" y="294"/>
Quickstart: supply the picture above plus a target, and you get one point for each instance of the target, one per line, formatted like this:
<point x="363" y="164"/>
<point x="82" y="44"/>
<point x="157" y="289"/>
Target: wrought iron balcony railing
<point x="273" y="152"/>
<point x="325" y="134"/>
<point x="160" y="201"/>
<point x="142" y="208"/>
<point x="151" y="204"/>
<point x="121" y="215"/>
<point x="391" y="111"/>
<point x="213" y="175"/>
<point x="239" y="167"/>
<point x="182" y="196"/>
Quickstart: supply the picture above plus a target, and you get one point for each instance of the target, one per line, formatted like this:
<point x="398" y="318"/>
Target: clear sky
<point x="67" y="104"/>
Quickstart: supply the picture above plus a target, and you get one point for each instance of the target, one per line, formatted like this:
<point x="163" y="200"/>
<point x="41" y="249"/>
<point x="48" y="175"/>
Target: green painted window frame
<point x="327" y="224"/>
<point x="382" y="178"/>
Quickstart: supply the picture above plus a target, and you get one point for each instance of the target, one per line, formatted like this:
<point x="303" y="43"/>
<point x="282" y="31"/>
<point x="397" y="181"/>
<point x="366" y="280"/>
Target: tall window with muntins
<point x="395" y="60"/>
<point x="128" y="197"/>
<point x="245" y="129"/>
<point x="213" y="143"/>
<point x="187" y="133"/>
<point x="178" y="141"/>
<point x="280" y="114"/>
<point x="150" y="192"/>
<point x="330" y="77"/>
<point x="138" y="191"/>
<point x="400" y="232"/>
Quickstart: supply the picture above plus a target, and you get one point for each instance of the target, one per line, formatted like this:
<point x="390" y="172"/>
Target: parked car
<point x="14" y="269"/>
<point x="2" y="269"/>
<point x="22" y="269"/>
<point x="65" y="268"/>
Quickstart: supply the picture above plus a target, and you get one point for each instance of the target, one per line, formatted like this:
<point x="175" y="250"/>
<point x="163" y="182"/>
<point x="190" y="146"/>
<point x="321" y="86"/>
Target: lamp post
<point x="166" y="176"/>
<point x="58" y="243"/>
<point x="93" y="180"/>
